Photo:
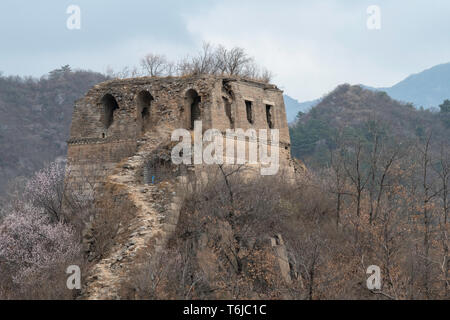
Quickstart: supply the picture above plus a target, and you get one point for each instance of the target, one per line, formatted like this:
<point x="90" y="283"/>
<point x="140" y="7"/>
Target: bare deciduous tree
<point x="154" y="65"/>
<point x="213" y="60"/>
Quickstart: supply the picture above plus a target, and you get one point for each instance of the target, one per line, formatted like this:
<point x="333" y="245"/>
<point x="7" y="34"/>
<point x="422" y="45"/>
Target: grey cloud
<point x="311" y="46"/>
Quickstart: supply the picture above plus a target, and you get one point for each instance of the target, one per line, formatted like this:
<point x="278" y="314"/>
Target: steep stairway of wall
<point x="156" y="209"/>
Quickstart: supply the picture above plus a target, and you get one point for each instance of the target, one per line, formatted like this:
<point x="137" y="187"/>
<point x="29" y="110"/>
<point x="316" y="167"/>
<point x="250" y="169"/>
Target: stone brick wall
<point x="260" y="95"/>
<point x="91" y="161"/>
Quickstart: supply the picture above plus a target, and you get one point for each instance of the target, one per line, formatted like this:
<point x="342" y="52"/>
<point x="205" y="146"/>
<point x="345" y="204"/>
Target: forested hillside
<point x="351" y="111"/>
<point x="35" y="116"/>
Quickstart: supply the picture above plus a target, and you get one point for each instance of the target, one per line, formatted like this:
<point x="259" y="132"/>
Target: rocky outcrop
<point x="282" y="257"/>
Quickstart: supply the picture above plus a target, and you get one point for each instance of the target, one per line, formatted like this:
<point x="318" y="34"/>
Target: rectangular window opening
<point x="249" y="109"/>
<point x="269" y="116"/>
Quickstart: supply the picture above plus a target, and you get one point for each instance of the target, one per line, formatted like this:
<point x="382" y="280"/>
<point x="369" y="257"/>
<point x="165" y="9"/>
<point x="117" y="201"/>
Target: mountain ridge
<point x="427" y="89"/>
<point x="351" y="110"/>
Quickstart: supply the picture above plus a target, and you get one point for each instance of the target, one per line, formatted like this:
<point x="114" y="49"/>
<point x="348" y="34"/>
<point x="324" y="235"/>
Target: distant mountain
<point x="293" y="107"/>
<point x="35" y="116"/>
<point x="428" y="88"/>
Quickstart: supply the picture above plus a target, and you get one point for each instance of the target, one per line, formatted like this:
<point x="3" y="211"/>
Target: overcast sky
<point x="310" y="46"/>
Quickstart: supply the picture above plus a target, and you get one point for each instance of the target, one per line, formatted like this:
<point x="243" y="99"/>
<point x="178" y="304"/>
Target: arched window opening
<point x="269" y="115"/>
<point x="144" y="102"/>
<point x="193" y="102"/>
<point x="109" y="107"/>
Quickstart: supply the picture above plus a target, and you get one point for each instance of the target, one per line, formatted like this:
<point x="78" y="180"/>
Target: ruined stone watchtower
<point x="116" y="117"/>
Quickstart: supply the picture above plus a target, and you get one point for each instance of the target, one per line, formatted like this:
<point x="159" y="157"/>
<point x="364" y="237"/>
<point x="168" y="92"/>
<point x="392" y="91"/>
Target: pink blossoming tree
<point x="36" y="243"/>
